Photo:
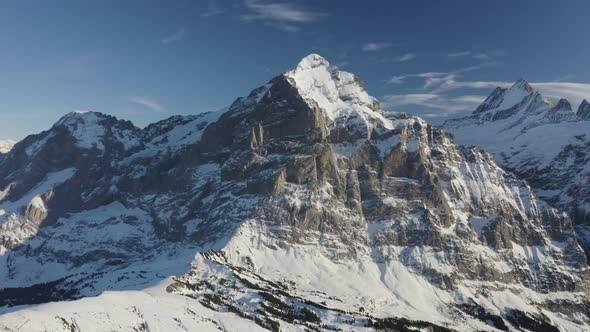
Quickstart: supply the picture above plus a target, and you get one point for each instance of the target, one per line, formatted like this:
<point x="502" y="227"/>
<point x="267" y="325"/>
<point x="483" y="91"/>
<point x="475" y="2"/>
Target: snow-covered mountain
<point x="6" y="145"/>
<point x="547" y="144"/>
<point x="300" y="207"/>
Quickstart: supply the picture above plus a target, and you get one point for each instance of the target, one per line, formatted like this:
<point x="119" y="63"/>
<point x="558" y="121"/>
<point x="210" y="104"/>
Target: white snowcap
<point x="339" y="94"/>
<point x="312" y="61"/>
<point x="6" y="145"/>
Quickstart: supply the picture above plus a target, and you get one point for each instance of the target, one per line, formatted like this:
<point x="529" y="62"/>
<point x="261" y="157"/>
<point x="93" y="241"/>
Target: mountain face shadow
<point x="96" y="271"/>
<point x="113" y="215"/>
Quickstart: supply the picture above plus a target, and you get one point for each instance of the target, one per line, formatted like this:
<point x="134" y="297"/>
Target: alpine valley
<point x="301" y="207"/>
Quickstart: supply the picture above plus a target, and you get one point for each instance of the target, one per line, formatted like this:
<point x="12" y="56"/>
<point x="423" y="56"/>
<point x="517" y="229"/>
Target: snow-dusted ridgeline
<point x="545" y="143"/>
<point x="301" y="206"/>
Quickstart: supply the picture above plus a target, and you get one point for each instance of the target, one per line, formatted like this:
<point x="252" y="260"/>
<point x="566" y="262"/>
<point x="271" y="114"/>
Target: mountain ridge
<point x="555" y="165"/>
<point x="300" y="206"/>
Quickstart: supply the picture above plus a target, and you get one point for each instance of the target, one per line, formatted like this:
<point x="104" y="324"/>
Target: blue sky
<point x="147" y="60"/>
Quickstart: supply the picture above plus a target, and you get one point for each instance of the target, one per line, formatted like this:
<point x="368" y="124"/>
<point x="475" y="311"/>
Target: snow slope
<point x="546" y="144"/>
<point x="300" y="207"/>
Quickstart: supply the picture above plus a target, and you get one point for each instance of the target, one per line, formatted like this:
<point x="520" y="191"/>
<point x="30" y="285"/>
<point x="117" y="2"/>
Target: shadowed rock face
<point x="306" y="164"/>
<point x="584" y="110"/>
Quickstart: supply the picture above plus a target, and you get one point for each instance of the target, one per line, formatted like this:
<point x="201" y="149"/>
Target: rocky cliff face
<point x="584" y="110"/>
<point x="301" y="206"/>
<point x="543" y="143"/>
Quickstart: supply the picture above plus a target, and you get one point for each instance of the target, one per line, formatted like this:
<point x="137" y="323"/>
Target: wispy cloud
<point x="406" y="57"/>
<point x="282" y="15"/>
<point x="459" y="54"/>
<point x="398" y="79"/>
<point x="574" y="92"/>
<point x="481" y="56"/>
<point x="149" y="103"/>
<point x="175" y="37"/>
<point x="442" y="104"/>
<point x="450" y="82"/>
<point x="373" y="47"/>
<point x="213" y="9"/>
<point x="464" y="54"/>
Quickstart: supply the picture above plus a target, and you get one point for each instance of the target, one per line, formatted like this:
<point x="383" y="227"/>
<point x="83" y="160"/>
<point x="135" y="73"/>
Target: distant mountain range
<point x="302" y="206"/>
<point x="547" y="144"/>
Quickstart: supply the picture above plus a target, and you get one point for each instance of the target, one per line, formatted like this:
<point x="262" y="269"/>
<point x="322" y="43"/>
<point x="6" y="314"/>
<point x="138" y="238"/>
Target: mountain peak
<point x="584" y="110"/>
<point x="502" y="99"/>
<point x="329" y="87"/>
<point x="6" y="145"/>
<point x="522" y="85"/>
<point x="312" y="61"/>
<point x="339" y="94"/>
<point x="563" y="105"/>
<point x="76" y="116"/>
<point x="89" y="128"/>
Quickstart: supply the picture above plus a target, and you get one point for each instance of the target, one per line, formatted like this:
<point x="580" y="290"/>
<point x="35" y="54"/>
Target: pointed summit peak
<point x="522" y="85"/>
<point x="584" y="110"/>
<point x="330" y="88"/>
<point x="339" y="94"/>
<point x="563" y="105"/>
<point x="503" y="99"/>
<point x="312" y="61"/>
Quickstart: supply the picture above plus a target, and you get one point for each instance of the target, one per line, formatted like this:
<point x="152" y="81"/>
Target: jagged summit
<point x="505" y="98"/>
<point x="331" y="88"/>
<point x="584" y="110"/>
<point x="522" y="85"/>
<point x="563" y="105"/>
<point x="339" y="94"/>
<point x="545" y="143"/>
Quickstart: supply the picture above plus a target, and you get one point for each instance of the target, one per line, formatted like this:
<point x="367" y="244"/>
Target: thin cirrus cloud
<point x="463" y="54"/>
<point x="374" y="47"/>
<point x="173" y="38"/>
<point x="437" y="105"/>
<point x="574" y="92"/>
<point x="406" y="57"/>
<point x="459" y="54"/>
<point x="399" y="79"/>
<point x="436" y="102"/>
<point x="282" y="15"/>
<point x="148" y="103"/>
